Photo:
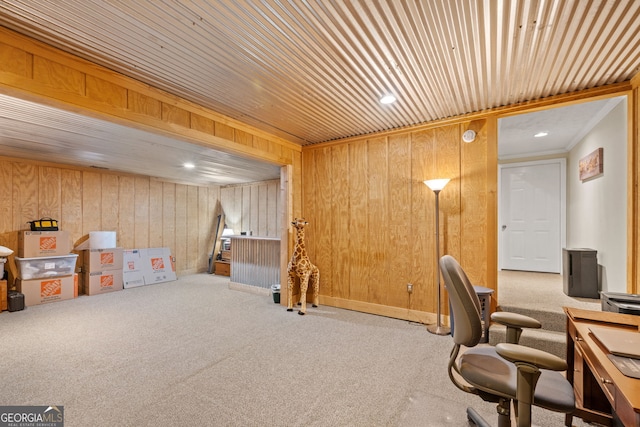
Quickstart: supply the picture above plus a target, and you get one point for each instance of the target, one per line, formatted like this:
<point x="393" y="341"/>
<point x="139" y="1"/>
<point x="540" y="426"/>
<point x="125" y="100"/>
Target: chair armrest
<point x="541" y="359"/>
<point x="514" y="323"/>
<point x="515" y="320"/>
<point x="529" y="363"/>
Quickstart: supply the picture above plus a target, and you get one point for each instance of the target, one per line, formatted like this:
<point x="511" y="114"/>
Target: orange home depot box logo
<point x="157" y="264"/>
<point x="47" y="243"/>
<point x="50" y="288"/>
<point x="107" y="258"/>
<point x="106" y="281"/>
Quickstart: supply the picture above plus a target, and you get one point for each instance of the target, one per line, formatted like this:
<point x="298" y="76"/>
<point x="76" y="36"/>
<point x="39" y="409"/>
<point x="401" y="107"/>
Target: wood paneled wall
<point x="372" y="219"/>
<point x="35" y="71"/>
<point x="144" y="211"/>
<point x="255" y="207"/>
<point x="371" y="216"/>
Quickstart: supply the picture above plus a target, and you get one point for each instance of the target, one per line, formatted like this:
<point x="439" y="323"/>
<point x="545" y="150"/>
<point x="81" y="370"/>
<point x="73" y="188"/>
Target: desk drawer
<point x="600" y="374"/>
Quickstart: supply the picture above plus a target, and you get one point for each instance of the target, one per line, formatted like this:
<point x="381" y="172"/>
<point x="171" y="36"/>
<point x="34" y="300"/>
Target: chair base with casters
<point x="507" y="374"/>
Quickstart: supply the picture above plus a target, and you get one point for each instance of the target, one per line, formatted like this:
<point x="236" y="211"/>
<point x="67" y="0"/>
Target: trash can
<point x="484" y="295"/>
<point x="275" y="291"/>
<point x="580" y="273"/>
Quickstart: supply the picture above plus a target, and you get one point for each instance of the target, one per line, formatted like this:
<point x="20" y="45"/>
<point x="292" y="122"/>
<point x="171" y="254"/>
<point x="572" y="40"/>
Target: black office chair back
<point x="465" y="305"/>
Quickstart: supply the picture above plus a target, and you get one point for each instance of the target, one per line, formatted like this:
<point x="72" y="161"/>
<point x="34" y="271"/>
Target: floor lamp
<point x="437" y="185"/>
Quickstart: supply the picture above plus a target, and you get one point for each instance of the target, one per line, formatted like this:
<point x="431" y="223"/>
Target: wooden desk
<point x="603" y="393"/>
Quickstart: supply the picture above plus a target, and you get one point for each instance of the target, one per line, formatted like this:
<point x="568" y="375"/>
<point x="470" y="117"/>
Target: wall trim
<point x="381" y="310"/>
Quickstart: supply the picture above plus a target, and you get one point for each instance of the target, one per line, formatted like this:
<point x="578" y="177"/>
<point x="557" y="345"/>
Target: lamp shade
<point x="227" y="232"/>
<point x="437" y="184"/>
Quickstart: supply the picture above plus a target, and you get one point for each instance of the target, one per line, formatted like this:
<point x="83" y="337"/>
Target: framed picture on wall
<point x="591" y="165"/>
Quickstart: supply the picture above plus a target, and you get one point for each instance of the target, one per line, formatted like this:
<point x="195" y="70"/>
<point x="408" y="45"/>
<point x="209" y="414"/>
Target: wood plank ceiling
<point x="313" y="71"/>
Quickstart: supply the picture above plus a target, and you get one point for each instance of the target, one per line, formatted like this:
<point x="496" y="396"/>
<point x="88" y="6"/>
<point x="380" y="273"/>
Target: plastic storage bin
<point x="45" y="267"/>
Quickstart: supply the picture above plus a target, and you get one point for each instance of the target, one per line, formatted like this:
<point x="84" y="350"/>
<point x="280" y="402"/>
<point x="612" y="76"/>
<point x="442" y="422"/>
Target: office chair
<point x="504" y="373"/>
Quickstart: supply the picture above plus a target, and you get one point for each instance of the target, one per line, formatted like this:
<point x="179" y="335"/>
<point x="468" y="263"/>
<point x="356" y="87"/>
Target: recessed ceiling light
<point x="189" y="165"/>
<point x="540" y="134"/>
<point x="387" y="99"/>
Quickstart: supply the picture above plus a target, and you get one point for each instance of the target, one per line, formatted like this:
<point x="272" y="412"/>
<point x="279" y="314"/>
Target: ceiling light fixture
<point x="388" y="99"/>
<point x="189" y="165"/>
<point x="540" y="134"/>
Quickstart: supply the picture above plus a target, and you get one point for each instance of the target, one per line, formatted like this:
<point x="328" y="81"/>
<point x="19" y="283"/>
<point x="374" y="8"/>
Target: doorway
<point x="573" y="131"/>
<point x="532" y="215"/>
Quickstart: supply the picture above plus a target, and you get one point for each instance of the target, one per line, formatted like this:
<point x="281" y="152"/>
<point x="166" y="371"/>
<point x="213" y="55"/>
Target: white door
<point x="531" y="216"/>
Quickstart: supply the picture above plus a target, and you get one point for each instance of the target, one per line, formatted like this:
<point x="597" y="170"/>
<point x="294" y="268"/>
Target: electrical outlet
<point x="409" y="287"/>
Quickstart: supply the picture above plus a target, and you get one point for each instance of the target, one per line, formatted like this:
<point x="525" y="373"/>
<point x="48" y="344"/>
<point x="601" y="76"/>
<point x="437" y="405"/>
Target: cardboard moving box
<point x="100" y="282"/>
<point x="41" y="291"/>
<point x="148" y="266"/>
<point x="160" y="266"/>
<point x="132" y="275"/>
<point x="33" y="244"/>
<point x="102" y="259"/>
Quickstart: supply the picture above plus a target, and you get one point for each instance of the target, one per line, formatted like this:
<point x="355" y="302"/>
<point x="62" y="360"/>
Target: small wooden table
<point x="603" y="393"/>
<point x="223" y="268"/>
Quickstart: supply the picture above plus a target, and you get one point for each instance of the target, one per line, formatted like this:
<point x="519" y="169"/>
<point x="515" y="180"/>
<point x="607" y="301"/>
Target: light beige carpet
<point x="541" y="291"/>
<point x="196" y="353"/>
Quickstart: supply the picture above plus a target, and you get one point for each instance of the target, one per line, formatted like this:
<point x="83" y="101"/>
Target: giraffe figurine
<point x="301" y="266"/>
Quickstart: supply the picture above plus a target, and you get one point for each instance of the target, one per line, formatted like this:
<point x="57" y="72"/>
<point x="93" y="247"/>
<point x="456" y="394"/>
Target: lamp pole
<point x="437" y="185"/>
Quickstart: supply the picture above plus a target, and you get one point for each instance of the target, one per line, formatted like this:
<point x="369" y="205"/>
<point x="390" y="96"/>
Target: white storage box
<point x="45" y="267"/>
<point x="98" y="240"/>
